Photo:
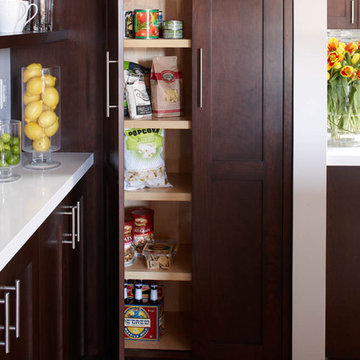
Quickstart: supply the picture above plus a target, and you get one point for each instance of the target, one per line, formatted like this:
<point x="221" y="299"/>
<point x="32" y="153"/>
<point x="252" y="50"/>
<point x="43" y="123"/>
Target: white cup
<point x="22" y="21"/>
<point x="11" y="12"/>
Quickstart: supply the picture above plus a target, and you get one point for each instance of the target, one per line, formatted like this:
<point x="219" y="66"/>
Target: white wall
<point x="309" y="230"/>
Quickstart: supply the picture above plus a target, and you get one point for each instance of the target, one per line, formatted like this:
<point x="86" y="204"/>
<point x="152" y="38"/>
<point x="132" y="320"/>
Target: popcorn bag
<point x="144" y="159"/>
<point x="166" y="87"/>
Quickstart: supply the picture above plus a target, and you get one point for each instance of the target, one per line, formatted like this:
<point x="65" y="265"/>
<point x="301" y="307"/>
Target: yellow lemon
<point x="33" y="131"/>
<point x="29" y="120"/>
<point x="50" y="97"/>
<point x="52" y="130"/>
<point x="41" y="144"/>
<point x="31" y="71"/>
<point x="50" y="80"/>
<point x="33" y="110"/>
<point x="35" y="86"/>
<point x="30" y="98"/>
<point x="47" y="118"/>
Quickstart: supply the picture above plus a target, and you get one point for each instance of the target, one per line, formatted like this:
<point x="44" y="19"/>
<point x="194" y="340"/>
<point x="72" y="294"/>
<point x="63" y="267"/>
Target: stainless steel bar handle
<point x="6" y="343"/>
<point x="78" y="218"/>
<point x="352" y="21"/>
<point x="201" y="79"/>
<point x="73" y="225"/>
<point x="15" y="288"/>
<point x="108" y="62"/>
<point x="107" y="84"/>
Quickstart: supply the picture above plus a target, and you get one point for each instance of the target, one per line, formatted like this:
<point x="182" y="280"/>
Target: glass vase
<point x="10" y="149"/>
<point x="343" y="115"/>
<point x="41" y="115"/>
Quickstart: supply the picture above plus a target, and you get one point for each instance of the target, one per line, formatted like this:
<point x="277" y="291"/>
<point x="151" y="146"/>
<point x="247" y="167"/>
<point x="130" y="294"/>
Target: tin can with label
<point x="143" y="228"/>
<point x="159" y="23"/>
<point x="173" y="29"/>
<point x="129" y="24"/>
<point x="129" y="252"/>
<point x="145" y="23"/>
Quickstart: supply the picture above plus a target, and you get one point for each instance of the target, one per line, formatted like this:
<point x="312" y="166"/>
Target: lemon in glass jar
<point x="31" y="71"/>
<point x="35" y="86"/>
<point x="42" y="144"/>
<point x="33" y="131"/>
<point x="33" y="110"/>
<point x="47" y="118"/>
<point x="52" y="130"/>
<point x="50" y="97"/>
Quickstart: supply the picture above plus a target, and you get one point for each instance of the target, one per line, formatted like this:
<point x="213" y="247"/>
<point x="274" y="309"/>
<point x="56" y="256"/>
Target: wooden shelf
<point x="31" y="38"/>
<point x="181" y="190"/>
<point x="176" y="337"/>
<point x="179" y="271"/>
<point x="182" y="122"/>
<point x="157" y="43"/>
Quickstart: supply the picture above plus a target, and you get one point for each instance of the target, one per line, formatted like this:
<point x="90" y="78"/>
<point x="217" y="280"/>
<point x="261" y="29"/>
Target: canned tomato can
<point x="143" y="228"/>
<point x="145" y="23"/>
<point x="173" y="29"/>
<point x="129" y="252"/>
<point x="159" y="23"/>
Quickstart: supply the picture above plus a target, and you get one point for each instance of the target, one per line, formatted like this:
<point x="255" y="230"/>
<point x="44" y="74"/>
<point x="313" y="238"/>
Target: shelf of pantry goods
<point x="343" y="156"/>
<point x="31" y="38"/>
<point x="176" y="337"/>
<point x="181" y="190"/>
<point x="182" y="122"/>
<point x="180" y="270"/>
<point x="157" y="43"/>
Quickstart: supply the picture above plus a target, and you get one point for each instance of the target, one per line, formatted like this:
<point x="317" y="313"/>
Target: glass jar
<point x="41" y="115"/>
<point x="10" y="149"/>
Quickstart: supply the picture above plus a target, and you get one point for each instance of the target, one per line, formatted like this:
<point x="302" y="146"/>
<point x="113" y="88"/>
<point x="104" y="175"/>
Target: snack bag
<point x="144" y="159"/>
<point x="133" y="68"/>
<point x="139" y="105"/>
<point x="166" y="87"/>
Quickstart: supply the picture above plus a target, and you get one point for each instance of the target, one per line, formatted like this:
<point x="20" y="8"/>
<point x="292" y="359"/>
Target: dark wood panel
<point x="236" y="79"/>
<point x="342" y="263"/>
<point x="236" y="243"/>
<point x="221" y="159"/>
<point x="131" y="354"/>
<point x="339" y="14"/>
<point x="26" y="39"/>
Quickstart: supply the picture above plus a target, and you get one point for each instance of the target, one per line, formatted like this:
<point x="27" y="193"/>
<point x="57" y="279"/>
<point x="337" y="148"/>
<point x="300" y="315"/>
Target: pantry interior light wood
<point x="181" y="190"/>
<point x="180" y="270"/>
<point x="182" y="122"/>
<point x="176" y="335"/>
<point x="157" y="43"/>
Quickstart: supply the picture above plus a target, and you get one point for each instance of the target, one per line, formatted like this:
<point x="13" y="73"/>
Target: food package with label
<point x="166" y="87"/>
<point x="144" y="159"/>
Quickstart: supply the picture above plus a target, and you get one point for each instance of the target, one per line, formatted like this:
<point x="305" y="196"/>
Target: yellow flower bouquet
<point x="343" y="91"/>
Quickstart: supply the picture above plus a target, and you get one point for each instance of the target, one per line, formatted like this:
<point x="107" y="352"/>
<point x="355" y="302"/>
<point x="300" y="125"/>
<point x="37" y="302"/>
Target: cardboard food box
<point x="144" y="322"/>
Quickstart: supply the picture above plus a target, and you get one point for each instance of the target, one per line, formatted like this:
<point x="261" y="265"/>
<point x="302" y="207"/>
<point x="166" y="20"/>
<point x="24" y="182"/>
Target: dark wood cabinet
<point x="343" y="14"/>
<point x="342" y="263"/>
<point x="239" y="180"/>
<point x="23" y="342"/>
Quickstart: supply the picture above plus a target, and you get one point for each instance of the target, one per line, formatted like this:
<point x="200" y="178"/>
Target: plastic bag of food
<point x="166" y="87"/>
<point x="139" y="104"/>
<point x="133" y="68"/>
<point x="144" y="159"/>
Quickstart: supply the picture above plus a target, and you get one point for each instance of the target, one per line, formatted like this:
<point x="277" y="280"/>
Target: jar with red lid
<point x="129" y="251"/>
<point x="143" y="227"/>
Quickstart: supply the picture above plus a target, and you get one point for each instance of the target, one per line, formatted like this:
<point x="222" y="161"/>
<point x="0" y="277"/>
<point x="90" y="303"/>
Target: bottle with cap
<point x="127" y="300"/>
<point x="154" y="300"/>
<point x="138" y="294"/>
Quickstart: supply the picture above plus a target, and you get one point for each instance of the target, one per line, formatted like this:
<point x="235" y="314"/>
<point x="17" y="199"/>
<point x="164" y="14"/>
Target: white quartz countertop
<point x="27" y="202"/>
<point x="343" y="156"/>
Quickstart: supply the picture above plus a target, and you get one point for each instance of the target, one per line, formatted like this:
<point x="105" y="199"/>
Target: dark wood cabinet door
<point x="238" y="178"/>
<point x="50" y="285"/>
<point x="342" y="14"/>
<point x="342" y="263"/>
<point x="73" y="291"/>
<point x="23" y="268"/>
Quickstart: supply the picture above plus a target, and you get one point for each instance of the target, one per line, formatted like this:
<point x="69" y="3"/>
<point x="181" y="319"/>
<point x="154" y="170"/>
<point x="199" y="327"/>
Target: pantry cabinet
<point x="229" y="160"/>
<point x="343" y="14"/>
<point x="342" y="263"/>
